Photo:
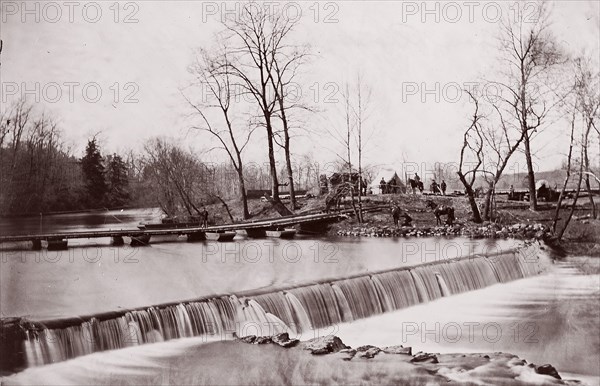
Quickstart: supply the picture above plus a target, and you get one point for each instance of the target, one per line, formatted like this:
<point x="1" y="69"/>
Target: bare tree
<point x="214" y="75"/>
<point x="531" y="55"/>
<point x="285" y="68"/>
<point x="37" y="172"/>
<point x="584" y="144"/>
<point x="567" y="176"/>
<point x="587" y="83"/>
<point x="363" y="96"/>
<point x="472" y="153"/>
<point x="502" y="144"/>
<point x="344" y="137"/>
<point x="257" y="37"/>
<point x="181" y="180"/>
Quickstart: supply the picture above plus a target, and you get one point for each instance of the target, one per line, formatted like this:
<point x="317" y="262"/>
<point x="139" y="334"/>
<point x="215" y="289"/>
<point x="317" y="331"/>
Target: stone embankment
<point x="519" y="231"/>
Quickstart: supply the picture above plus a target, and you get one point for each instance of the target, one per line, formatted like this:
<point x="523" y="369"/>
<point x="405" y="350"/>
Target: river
<point x="552" y="317"/>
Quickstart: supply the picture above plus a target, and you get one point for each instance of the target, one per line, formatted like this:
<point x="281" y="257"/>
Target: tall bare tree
<point x="363" y="98"/>
<point x="531" y="55"/>
<point x="258" y="37"/>
<point x="471" y="154"/>
<point x="567" y="174"/>
<point x="501" y="143"/>
<point x="587" y="91"/>
<point x="285" y="68"/>
<point x="213" y="74"/>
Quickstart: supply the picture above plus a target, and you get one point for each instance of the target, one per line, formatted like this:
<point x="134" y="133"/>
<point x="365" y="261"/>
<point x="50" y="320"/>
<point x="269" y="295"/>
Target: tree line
<point x="40" y="173"/>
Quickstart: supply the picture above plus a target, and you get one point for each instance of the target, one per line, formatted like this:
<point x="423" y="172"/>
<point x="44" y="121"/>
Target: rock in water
<point x="367" y="352"/>
<point x="248" y="339"/>
<point x="263" y="340"/>
<point x="398" y="350"/>
<point x="547" y="369"/>
<point x="284" y="340"/>
<point x="424" y="357"/>
<point x="324" y="345"/>
<point x="347" y="354"/>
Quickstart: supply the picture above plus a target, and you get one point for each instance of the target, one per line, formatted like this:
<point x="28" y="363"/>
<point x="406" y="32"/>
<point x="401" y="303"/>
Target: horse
<point x="415" y="185"/>
<point x="397" y="213"/>
<point x="439" y="210"/>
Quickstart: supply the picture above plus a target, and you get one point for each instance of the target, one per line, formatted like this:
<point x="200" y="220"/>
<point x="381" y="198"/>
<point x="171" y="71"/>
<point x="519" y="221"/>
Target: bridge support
<point x="196" y="236"/>
<point x="256" y="233"/>
<point x="36" y="245"/>
<point x="316" y="227"/>
<point x="117" y="241"/>
<point x="57" y="245"/>
<point x="139" y="241"/>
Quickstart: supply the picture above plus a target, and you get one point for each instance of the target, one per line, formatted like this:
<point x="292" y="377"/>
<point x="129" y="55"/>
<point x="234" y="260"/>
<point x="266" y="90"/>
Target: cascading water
<point x="296" y="310"/>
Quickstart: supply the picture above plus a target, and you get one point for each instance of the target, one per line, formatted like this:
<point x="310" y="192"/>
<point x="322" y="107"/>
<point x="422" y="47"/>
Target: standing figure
<point x="204" y="217"/>
<point x="443" y="186"/>
<point x="382" y="186"/>
<point x="434" y="187"/>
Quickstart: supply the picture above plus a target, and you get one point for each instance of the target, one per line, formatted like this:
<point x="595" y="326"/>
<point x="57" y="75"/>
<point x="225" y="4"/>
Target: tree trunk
<point x="288" y="162"/>
<point x="487" y="207"/>
<point x="279" y="207"/>
<point x="226" y="208"/>
<point x="568" y="220"/>
<point x="584" y="143"/>
<point x="471" y="196"/>
<point x="588" y="187"/>
<point x="360" y="214"/>
<point x="272" y="163"/>
<point x="530" y="175"/>
<point x="242" y="185"/>
<point x="356" y="213"/>
<point x="286" y="147"/>
<point x="564" y="187"/>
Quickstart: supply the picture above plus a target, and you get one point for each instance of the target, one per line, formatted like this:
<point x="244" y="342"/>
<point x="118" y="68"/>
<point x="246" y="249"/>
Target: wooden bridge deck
<point x="258" y="224"/>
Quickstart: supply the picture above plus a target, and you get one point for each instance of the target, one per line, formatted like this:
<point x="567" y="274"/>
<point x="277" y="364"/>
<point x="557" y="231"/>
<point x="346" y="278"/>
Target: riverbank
<point x="514" y="220"/>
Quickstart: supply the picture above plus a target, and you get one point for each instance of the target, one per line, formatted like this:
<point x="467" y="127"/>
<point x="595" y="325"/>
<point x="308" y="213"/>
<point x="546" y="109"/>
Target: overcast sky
<point x="139" y="52"/>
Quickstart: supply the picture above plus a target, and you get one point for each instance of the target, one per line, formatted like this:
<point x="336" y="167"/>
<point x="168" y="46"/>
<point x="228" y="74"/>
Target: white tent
<point x="541" y="183"/>
<point x="391" y="178"/>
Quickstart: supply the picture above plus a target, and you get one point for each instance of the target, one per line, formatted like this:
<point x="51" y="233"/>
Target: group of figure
<point x="438" y="211"/>
<point x="438" y="189"/>
<point x="416" y="183"/>
<point x="387" y="187"/>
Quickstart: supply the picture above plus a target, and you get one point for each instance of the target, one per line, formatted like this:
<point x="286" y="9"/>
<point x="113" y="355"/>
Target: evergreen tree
<point x="93" y="174"/>
<point x="118" y="182"/>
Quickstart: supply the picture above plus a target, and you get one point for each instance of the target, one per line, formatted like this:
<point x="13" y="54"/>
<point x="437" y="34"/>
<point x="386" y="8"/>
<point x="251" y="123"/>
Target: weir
<point x="296" y="309"/>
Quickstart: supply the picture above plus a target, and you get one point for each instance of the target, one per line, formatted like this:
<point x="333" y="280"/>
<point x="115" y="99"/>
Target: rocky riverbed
<point x="520" y="231"/>
<point x="399" y="365"/>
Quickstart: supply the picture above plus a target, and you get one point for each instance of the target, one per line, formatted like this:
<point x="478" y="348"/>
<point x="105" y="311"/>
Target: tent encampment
<point x="393" y="183"/>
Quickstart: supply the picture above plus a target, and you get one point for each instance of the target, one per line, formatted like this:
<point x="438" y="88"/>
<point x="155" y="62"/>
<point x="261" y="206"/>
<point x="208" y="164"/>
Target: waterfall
<point x="443" y="286"/>
<point x="298" y="309"/>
